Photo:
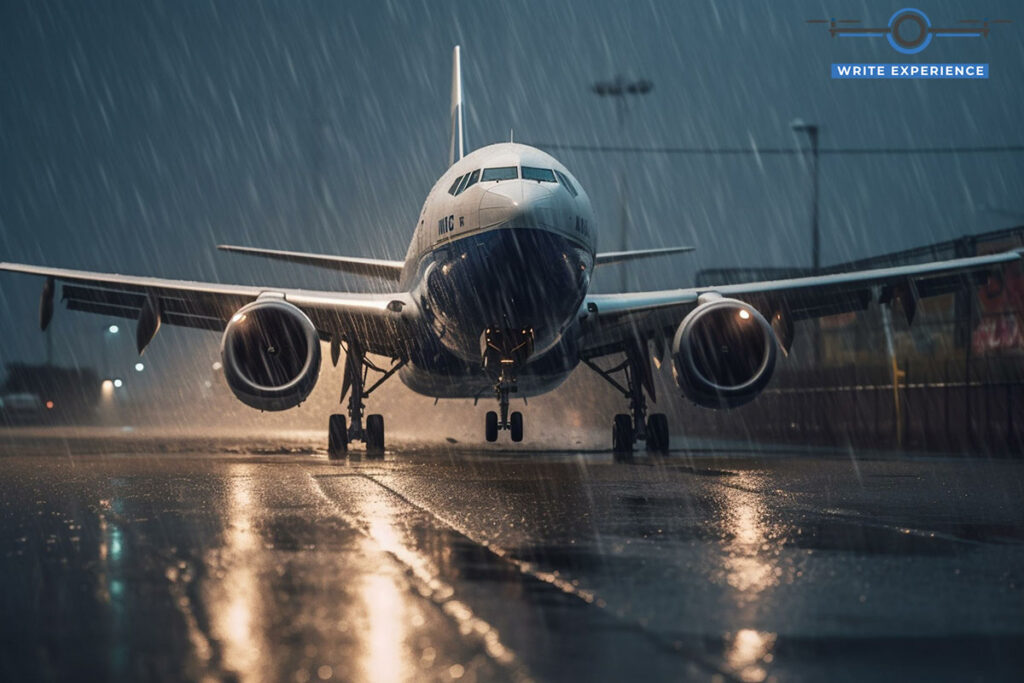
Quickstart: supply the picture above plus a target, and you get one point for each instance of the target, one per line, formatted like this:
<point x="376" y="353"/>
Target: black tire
<point x="337" y="437"/>
<point x="516" y="426"/>
<point x="657" y="433"/>
<point x="622" y="435"/>
<point x="491" y="426"/>
<point x="375" y="435"/>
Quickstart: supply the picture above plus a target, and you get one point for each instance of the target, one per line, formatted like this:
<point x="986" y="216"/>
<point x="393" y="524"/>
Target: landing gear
<point x="341" y="432"/>
<point x="627" y="429"/>
<point x="337" y="437"/>
<point x="503" y="352"/>
<point x="515" y="426"/>
<point x="622" y="436"/>
<point x="657" y="433"/>
<point x="375" y="435"/>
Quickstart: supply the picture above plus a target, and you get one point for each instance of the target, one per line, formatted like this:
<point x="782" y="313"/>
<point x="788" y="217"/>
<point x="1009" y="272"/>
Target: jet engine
<point x="723" y="354"/>
<point x="271" y="355"/>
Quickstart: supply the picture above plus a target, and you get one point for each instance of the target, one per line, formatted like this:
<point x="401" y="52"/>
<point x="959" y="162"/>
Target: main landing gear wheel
<point x="491" y="426"/>
<point x="639" y="382"/>
<point x="622" y="436"/>
<point x="515" y="426"/>
<point x="657" y="433"/>
<point x="375" y="436"/>
<point x="337" y="437"/>
<point x="341" y="432"/>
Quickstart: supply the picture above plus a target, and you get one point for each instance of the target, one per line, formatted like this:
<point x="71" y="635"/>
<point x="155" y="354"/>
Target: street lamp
<point x="800" y="126"/>
<point x="620" y="89"/>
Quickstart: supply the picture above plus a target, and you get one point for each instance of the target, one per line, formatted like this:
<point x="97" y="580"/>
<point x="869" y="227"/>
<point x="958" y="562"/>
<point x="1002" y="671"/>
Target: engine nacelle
<point x="723" y="354"/>
<point x="271" y="355"/>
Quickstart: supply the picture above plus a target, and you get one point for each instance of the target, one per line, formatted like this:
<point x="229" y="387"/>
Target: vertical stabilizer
<point x="457" y="148"/>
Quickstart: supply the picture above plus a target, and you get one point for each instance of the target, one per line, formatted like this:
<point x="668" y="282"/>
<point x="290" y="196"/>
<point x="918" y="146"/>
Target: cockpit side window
<point x="466" y="182"/>
<point x="500" y="173"/>
<point x="455" y="185"/>
<point x="472" y="180"/>
<point x="544" y="175"/>
<point x="565" y="181"/>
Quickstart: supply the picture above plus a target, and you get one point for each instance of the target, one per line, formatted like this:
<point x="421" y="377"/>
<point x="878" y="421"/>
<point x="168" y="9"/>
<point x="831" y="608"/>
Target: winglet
<point x="457" y="146"/>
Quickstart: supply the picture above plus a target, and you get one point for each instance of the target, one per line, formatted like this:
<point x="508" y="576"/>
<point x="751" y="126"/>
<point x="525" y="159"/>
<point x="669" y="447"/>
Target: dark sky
<point x="134" y="136"/>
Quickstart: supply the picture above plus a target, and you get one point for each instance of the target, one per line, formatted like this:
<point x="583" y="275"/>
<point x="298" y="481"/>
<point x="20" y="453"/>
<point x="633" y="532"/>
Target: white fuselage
<point x="514" y="253"/>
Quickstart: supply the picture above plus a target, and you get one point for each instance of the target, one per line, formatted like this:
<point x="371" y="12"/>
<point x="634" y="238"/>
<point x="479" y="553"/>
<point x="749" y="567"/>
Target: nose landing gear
<point x="503" y="352"/>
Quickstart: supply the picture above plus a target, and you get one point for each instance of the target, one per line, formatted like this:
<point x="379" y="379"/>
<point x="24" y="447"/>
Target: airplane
<point x="493" y="298"/>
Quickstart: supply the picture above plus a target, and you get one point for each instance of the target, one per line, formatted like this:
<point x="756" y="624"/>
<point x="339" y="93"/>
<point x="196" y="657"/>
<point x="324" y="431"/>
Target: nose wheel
<point x="514" y="425"/>
<point x="503" y="351"/>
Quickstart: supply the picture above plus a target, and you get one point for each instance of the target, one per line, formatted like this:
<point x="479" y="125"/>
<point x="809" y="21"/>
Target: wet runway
<point x="156" y="558"/>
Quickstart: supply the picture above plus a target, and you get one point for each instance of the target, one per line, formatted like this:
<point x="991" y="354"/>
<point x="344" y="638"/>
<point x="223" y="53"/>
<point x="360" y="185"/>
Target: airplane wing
<point x="620" y="256"/>
<point x="387" y="270"/>
<point x="612" y="321"/>
<point x="378" y="321"/>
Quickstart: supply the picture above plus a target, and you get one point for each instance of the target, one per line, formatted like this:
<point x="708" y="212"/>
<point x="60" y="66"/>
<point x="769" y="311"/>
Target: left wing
<point x="387" y="270"/>
<point x="379" y="321"/>
<point x="612" y="321"/>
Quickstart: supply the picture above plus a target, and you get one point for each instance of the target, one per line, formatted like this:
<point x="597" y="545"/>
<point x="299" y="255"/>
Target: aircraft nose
<point x="520" y="203"/>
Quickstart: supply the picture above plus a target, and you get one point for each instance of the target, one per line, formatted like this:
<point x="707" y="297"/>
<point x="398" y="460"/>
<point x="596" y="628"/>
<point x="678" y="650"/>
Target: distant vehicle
<point x="492" y="298"/>
<point x="21" y="407"/>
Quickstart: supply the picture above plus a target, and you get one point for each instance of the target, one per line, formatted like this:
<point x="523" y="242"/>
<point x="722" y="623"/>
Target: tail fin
<point x="457" y="148"/>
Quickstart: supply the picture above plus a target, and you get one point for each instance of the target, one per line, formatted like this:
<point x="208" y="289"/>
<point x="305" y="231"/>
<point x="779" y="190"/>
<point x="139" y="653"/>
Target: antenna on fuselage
<point x="458" y="136"/>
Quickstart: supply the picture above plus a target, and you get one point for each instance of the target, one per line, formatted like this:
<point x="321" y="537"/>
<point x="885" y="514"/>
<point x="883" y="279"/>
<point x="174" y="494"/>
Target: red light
<point x="49" y="405"/>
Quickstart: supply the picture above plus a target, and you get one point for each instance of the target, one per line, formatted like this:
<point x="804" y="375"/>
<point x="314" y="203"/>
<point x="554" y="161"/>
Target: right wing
<point x="613" y="321"/>
<point x="387" y="270"/>
<point x="380" y="322"/>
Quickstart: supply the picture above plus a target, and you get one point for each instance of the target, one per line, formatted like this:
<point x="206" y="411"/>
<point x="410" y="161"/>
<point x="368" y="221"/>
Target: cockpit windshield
<point x="500" y="173"/>
<point x="544" y="175"/>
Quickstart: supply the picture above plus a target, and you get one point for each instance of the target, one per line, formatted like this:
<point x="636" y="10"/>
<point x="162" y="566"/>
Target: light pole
<point x="800" y="126"/>
<point x="620" y="89"/>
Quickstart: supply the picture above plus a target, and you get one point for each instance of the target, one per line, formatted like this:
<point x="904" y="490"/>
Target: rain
<point x="798" y="536"/>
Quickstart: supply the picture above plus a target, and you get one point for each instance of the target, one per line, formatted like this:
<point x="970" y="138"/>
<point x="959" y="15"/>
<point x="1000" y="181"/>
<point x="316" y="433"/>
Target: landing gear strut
<point x="627" y="429"/>
<point x="503" y="352"/>
<point x="341" y="432"/>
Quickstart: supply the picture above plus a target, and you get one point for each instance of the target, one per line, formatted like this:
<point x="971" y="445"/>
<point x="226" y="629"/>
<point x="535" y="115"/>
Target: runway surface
<point x="128" y="558"/>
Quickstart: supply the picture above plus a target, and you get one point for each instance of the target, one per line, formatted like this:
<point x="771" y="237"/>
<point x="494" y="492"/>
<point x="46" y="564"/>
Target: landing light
<point x="113" y="329"/>
<point x="139" y="367"/>
<point x="744" y="314"/>
<point x="118" y="383"/>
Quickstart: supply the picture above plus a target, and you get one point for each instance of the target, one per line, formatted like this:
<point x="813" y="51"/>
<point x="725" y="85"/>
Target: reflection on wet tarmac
<point x="235" y="601"/>
<point x="481" y="567"/>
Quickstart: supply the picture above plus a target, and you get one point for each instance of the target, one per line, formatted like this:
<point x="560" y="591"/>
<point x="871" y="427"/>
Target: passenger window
<point x="500" y="173"/>
<point x="472" y="180"/>
<point x="544" y="175"/>
<point x="565" y="181"/>
<point x="455" y="185"/>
